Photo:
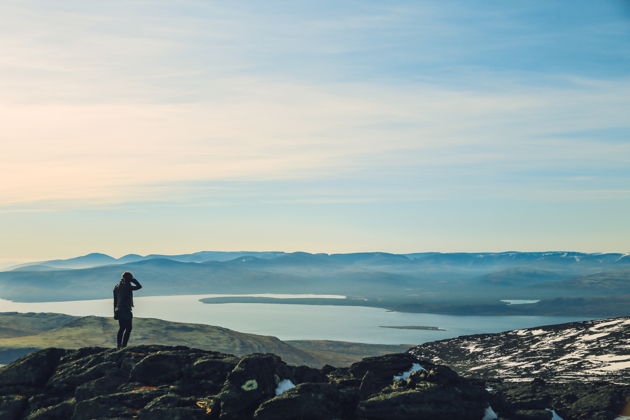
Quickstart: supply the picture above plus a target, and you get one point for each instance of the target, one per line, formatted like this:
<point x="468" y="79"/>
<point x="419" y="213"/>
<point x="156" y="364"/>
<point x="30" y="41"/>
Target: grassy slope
<point x="343" y="353"/>
<point x="98" y="331"/>
<point x="13" y="324"/>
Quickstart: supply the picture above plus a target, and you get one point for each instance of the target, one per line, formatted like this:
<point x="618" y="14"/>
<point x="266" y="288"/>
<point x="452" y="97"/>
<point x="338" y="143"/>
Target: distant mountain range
<point x="96" y="259"/>
<point x="566" y="283"/>
<point x="481" y="259"/>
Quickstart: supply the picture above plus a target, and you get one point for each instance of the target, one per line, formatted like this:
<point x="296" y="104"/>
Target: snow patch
<point x="520" y="301"/>
<point x="611" y="357"/>
<point x="594" y="336"/>
<point x="554" y="415"/>
<point x="284" y="385"/>
<point x="489" y="414"/>
<point x="473" y="348"/>
<point x="607" y="323"/>
<point x="405" y="375"/>
<point x="616" y="366"/>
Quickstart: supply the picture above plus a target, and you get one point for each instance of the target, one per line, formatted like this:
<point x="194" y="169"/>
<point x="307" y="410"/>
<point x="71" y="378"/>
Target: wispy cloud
<point x="266" y="130"/>
<point x="118" y="105"/>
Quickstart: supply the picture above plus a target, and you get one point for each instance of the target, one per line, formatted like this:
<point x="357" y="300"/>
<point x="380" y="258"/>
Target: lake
<point x="298" y="322"/>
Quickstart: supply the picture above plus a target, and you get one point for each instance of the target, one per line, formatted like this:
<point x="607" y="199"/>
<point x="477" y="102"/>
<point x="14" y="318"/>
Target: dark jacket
<point x="123" y="296"/>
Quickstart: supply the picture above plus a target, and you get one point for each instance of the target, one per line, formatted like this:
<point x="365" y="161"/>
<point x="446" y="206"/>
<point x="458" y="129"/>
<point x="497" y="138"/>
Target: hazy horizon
<point x="7" y="263"/>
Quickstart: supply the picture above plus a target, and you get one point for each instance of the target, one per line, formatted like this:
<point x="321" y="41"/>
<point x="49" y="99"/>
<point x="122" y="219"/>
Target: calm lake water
<point x="298" y="322"/>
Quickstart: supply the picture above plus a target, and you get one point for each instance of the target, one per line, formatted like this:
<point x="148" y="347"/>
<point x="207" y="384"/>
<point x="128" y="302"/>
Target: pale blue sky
<point x="401" y="126"/>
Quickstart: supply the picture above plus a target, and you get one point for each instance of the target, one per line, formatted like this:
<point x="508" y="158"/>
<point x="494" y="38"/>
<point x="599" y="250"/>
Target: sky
<point x="331" y="126"/>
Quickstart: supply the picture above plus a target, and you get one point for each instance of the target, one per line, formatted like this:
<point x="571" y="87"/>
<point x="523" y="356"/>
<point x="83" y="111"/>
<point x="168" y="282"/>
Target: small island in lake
<point x="413" y="327"/>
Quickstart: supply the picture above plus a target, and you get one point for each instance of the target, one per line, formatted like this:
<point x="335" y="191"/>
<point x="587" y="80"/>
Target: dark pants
<point x="124" y="327"/>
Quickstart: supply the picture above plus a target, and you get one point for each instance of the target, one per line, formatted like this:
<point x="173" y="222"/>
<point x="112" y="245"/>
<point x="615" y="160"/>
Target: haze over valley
<point x="553" y="283"/>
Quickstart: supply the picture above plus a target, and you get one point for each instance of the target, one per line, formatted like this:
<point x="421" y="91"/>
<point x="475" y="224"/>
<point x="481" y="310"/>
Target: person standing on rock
<point x="123" y="302"/>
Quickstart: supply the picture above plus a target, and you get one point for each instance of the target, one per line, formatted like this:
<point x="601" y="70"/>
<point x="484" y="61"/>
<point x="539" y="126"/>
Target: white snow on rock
<point x="489" y="414"/>
<point x="554" y="415"/>
<point x="405" y="375"/>
<point x="594" y="336"/>
<point x="608" y="324"/>
<point x="615" y="366"/>
<point x="284" y="385"/>
<point x="577" y="351"/>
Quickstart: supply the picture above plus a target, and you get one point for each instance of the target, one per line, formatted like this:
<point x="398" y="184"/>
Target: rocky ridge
<point x="597" y="350"/>
<point x="159" y="382"/>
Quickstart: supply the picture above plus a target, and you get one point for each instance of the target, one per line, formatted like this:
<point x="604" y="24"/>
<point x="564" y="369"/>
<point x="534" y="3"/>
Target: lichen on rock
<point x="249" y="385"/>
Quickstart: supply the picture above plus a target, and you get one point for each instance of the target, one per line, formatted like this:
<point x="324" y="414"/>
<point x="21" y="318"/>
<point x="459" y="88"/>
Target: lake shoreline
<point x="289" y="319"/>
<point x="413" y="327"/>
<point x="585" y="308"/>
<point x="554" y="307"/>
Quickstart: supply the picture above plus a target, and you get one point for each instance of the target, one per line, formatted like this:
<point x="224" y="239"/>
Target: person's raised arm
<point x="136" y="284"/>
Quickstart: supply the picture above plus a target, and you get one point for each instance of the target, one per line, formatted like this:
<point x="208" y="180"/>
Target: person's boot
<point x="125" y="339"/>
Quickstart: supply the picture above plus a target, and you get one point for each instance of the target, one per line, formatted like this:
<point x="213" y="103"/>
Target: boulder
<point x="176" y="407"/>
<point x="159" y="368"/>
<point x="531" y="415"/>
<point x="307" y="401"/>
<point x="442" y="375"/>
<point x="73" y="370"/>
<point x="107" y="384"/>
<point x="12" y="406"/>
<point x="527" y="397"/>
<point x="576" y="401"/>
<point x="371" y="384"/>
<point x="62" y="410"/>
<point x="123" y="404"/>
<point x="34" y="369"/>
<point x="253" y="380"/>
<point x="434" y="403"/>
<point x="302" y="374"/>
<point x="206" y="375"/>
<point x="385" y="367"/>
<point x="427" y="392"/>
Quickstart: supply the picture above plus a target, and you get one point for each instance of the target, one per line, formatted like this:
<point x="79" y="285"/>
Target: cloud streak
<point x="269" y="130"/>
<point x="122" y="107"/>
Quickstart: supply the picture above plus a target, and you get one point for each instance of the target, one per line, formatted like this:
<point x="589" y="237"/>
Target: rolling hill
<point x="24" y="333"/>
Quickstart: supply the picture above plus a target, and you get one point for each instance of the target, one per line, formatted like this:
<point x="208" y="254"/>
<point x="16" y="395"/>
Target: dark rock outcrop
<point x="11" y="406"/>
<point x="32" y="370"/>
<point x="308" y="401"/>
<point x="571" y="401"/>
<point x="179" y="383"/>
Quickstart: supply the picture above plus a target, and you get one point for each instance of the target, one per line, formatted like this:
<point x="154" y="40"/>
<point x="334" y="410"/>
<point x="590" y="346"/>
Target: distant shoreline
<point x="413" y="327"/>
<point x="292" y="301"/>
<point x="586" y="307"/>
